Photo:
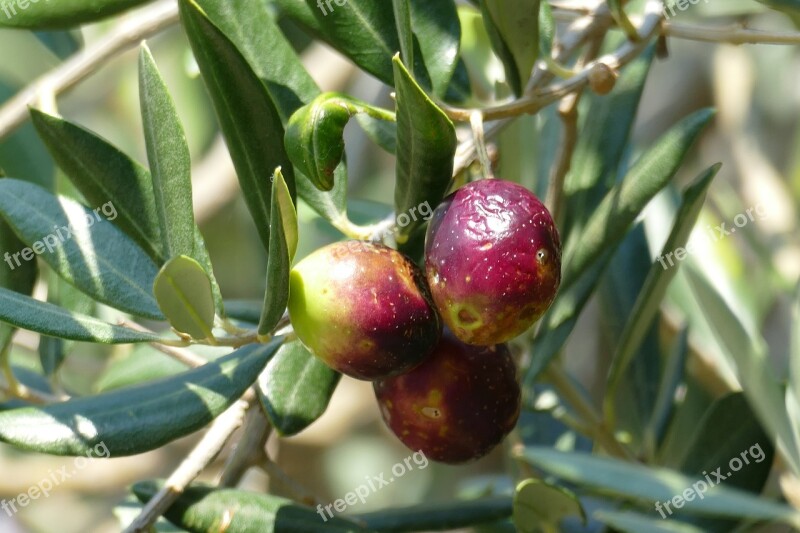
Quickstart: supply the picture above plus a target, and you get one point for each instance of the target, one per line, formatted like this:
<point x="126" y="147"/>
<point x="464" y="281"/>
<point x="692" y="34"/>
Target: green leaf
<point x="282" y="247"/>
<point x="728" y="432"/>
<point x="612" y="218"/>
<point x="183" y="292"/>
<point x="747" y="352"/>
<point x="106" y="176"/>
<point x="203" y="509"/>
<point x="537" y="502"/>
<point x="602" y="140"/>
<point x="295" y="388"/>
<point x="248" y="117"/>
<point x="426" y="145"/>
<point x="672" y="376"/>
<point x="439" y="517"/>
<point x="47" y="14"/>
<point x="20" y="279"/>
<point x="48" y="319"/>
<point x="402" y="18"/>
<point x="547" y="31"/>
<point x="513" y="29"/>
<point x="647" y="483"/>
<point x="52" y="350"/>
<point x="587" y="255"/>
<point x="315" y="134"/>
<point x="138" y="419"/>
<point x="170" y="163"/>
<point x="87" y="251"/>
<point x="251" y="28"/>
<point x="146" y="363"/>
<point x="630" y="522"/>
<point x="366" y="32"/>
<point x="103" y="174"/>
<point x="658" y="279"/>
<point x="794" y="346"/>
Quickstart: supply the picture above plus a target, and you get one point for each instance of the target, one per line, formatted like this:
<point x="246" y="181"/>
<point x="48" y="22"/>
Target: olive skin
<point x="363" y="309"/>
<point x="492" y="261"/>
<point x="457" y="405"/>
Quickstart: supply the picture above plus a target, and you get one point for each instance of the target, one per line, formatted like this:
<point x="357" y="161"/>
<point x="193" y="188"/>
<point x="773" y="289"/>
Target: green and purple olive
<point x="363" y="309"/>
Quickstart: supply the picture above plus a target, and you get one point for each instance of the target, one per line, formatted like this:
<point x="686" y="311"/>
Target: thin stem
<point x="736" y="34"/>
<point x="534" y="102"/>
<point x="590" y="416"/>
<point x="199" y="458"/>
<point x="144" y="23"/>
<point x="568" y="111"/>
<point x="249" y="451"/>
<point x="476" y="121"/>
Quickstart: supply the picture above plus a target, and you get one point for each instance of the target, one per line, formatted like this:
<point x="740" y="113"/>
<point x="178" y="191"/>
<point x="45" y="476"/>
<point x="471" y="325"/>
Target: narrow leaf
<point x="252" y="29"/>
<point x="138" y="419"/>
<point x="62" y="43"/>
<point x="747" y="352"/>
<point x="20" y="278"/>
<point x="653" y="484"/>
<point x="170" y="163"/>
<point x="402" y="18"/>
<point x="26" y="313"/>
<point x="82" y="246"/>
<point x="622" y="205"/>
<point x="657" y="280"/>
<point x="183" y="292"/>
<point x="439" y="517"/>
<point x="513" y="29"/>
<point x="295" y="388"/>
<point x="248" y="117"/>
<point x="47" y="14"/>
<point x="282" y="247"/>
<point x="102" y="174"/>
<point x="426" y="145"/>
<point x="671" y="378"/>
<point x="630" y="522"/>
<point x="203" y="509"/>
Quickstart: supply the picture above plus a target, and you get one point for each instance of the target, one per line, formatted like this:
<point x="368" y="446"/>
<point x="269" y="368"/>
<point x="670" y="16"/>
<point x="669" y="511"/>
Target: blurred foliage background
<point x="756" y="134"/>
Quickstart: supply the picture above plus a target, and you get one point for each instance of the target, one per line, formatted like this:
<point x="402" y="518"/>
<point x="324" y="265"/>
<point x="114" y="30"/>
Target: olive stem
<point x="130" y="33"/>
<point x="199" y="458"/>
<point x="591" y="417"/>
<point x="249" y="451"/>
<point x="533" y="102"/>
<point x="476" y="121"/>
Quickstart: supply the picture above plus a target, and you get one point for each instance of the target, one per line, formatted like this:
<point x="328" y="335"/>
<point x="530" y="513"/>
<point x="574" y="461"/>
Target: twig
<point x="736" y="34"/>
<point x="590" y="416"/>
<point x="299" y="493"/>
<point x="148" y="21"/>
<point x="532" y="103"/>
<point x="249" y="451"/>
<point x="179" y="354"/>
<point x="199" y="458"/>
<point x="568" y="111"/>
<point x="479" y="140"/>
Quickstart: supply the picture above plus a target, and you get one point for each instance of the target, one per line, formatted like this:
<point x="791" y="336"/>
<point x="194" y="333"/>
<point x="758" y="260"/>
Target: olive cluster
<point x="433" y="342"/>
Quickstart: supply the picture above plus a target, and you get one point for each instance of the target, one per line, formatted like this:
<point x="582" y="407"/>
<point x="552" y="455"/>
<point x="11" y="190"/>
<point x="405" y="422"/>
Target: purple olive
<point x="492" y="260"/>
<point x="455" y="406"/>
<point x="363" y="309"/>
